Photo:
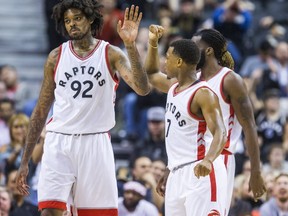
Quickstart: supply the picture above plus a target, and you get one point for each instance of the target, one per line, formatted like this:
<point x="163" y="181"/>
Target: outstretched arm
<point x="130" y="69"/>
<point x="235" y="89"/>
<point x="208" y="103"/>
<point x="38" y="119"/>
<point x="156" y="77"/>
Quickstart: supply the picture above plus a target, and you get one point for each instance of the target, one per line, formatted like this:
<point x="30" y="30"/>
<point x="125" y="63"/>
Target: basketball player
<point x="81" y="77"/>
<point x="216" y="66"/>
<point x="196" y="176"/>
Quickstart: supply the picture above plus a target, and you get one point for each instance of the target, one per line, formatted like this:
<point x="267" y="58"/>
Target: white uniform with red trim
<point x="78" y="155"/>
<point x="187" y="141"/>
<point x="232" y="125"/>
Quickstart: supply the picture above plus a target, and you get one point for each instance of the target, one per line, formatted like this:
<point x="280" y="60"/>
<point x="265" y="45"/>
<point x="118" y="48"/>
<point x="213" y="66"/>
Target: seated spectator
<point x="11" y="153"/>
<point x="20" y="207"/>
<point x="278" y="204"/>
<point x="5" y="202"/>
<point x="16" y="90"/>
<point x="276" y="158"/>
<point x="7" y="109"/>
<point x="3" y="90"/>
<point x="133" y="202"/>
<point x="153" y="144"/>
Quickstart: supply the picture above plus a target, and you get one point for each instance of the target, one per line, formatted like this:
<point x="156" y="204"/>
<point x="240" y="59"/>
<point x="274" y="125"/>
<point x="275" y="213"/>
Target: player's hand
<point x="129" y="30"/>
<point x="21" y="177"/>
<point x="161" y="186"/>
<point x="203" y="168"/>
<point x="155" y="33"/>
<point x="257" y="185"/>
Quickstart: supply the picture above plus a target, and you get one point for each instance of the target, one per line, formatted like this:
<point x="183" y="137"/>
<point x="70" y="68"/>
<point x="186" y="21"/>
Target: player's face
<point x="170" y="63"/>
<point x="76" y="24"/>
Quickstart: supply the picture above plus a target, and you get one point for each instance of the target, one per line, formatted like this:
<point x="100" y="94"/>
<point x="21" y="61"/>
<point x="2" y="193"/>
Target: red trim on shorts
<point x="97" y="212"/>
<point x="50" y="120"/>
<point x="214" y="212"/>
<point x="213" y="185"/>
<point x="52" y="204"/>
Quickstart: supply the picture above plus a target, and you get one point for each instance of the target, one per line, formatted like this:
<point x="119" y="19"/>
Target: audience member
<point x="5" y="201"/>
<point x="276" y="160"/>
<point x="7" y="109"/>
<point x="278" y="204"/>
<point x="153" y="143"/>
<point x="11" y="153"/>
<point x="133" y="202"/>
<point x="20" y="207"/>
<point x="3" y="90"/>
<point x="16" y="90"/>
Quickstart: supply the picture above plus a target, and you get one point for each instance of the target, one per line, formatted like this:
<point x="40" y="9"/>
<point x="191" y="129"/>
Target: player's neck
<point x="210" y="69"/>
<point x="84" y="44"/>
<point x="186" y="80"/>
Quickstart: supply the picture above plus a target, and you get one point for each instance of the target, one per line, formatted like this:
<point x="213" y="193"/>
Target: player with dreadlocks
<point x="216" y="64"/>
<point x="81" y="77"/>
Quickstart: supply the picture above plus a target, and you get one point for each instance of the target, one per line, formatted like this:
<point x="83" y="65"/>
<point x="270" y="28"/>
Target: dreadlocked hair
<point x="219" y="44"/>
<point x="91" y="9"/>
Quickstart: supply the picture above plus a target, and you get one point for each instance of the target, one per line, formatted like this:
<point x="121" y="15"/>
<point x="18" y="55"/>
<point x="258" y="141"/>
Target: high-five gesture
<point x="129" y="30"/>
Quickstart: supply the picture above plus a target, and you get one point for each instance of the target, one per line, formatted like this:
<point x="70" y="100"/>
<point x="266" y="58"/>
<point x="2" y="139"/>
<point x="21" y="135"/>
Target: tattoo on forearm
<point x="243" y="103"/>
<point x="137" y="69"/>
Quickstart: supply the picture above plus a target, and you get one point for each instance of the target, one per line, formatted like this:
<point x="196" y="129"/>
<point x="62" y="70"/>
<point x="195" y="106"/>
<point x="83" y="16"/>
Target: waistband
<point x="182" y="165"/>
<point x="83" y="134"/>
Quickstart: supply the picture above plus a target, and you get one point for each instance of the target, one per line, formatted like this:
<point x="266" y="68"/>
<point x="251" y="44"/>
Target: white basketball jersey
<point x="231" y="122"/>
<point x="187" y="136"/>
<point x="85" y="92"/>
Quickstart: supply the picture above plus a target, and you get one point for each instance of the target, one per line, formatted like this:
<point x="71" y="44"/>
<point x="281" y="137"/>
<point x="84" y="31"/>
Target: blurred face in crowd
<point x="156" y="128"/>
<point x="158" y="169"/>
<point x="272" y="104"/>
<point x="142" y="165"/>
<point x="281" y="52"/>
<point x="9" y="76"/>
<point x="276" y="157"/>
<point x="5" y="202"/>
<point x="269" y="183"/>
<point x="11" y="184"/>
<point x="281" y="188"/>
<point x="6" y="111"/>
<point x="3" y="90"/>
<point x="18" y="126"/>
<point x="131" y="199"/>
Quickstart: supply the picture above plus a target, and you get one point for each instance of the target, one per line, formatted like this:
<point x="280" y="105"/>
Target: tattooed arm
<point x="130" y="68"/>
<point x="38" y="119"/>
<point x="235" y="90"/>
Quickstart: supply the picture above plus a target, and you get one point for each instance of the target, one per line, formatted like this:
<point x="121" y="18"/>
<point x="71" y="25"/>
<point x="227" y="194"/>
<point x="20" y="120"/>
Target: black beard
<point x="202" y="60"/>
<point x="79" y="37"/>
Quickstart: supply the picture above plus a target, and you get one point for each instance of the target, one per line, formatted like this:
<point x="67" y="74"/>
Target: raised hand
<point x="155" y="32"/>
<point x="129" y="30"/>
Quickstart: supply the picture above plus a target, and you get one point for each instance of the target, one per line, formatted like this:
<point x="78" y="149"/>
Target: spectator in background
<point x="233" y="20"/>
<point x="16" y="90"/>
<point x="278" y="204"/>
<point x="111" y="15"/>
<point x="11" y="153"/>
<point x="5" y="201"/>
<point x="133" y="202"/>
<point x="153" y="144"/>
<point x="20" y="207"/>
<point x="270" y="122"/>
<point x="276" y="158"/>
<point x="7" y="109"/>
<point x="3" y="90"/>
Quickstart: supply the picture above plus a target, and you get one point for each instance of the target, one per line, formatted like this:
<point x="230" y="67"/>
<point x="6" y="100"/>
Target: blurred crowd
<point x="258" y="44"/>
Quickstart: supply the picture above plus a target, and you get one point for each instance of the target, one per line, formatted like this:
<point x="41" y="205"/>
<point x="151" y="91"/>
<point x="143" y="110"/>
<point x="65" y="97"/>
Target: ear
<point x="179" y="62"/>
<point x="209" y="51"/>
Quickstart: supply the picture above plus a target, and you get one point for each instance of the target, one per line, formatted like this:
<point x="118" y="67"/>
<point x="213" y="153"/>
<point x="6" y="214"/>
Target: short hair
<point x="219" y="44"/>
<point x="280" y="175"/>
<point x="91" y="9"/>
<point x="8" y="100"/>
<point x="187" y="50"/>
